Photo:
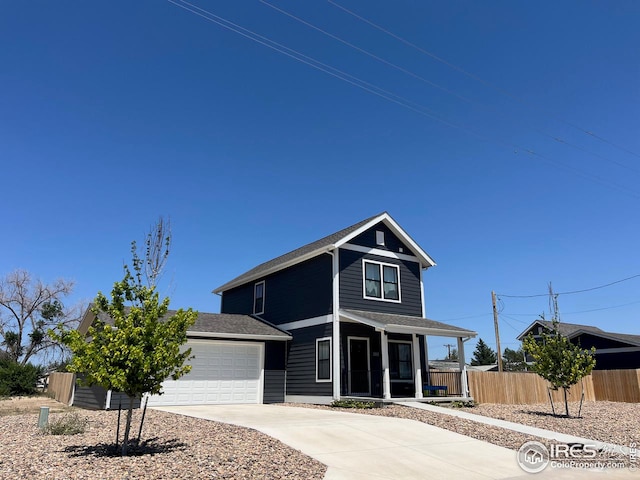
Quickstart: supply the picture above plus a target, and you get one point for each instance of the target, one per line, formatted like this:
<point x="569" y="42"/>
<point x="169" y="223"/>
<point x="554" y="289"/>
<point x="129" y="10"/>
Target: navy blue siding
<point x="301" y="362"/>
<point x="238" y="300"/>
<point x="92" y="398"/>
<point x="391" y="242"/>
<point x="274" y="372"/>
<point x="351" y="286"/>
<point x="295" y="293"/>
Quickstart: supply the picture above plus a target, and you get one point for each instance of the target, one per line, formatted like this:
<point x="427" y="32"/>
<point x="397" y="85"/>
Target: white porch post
<point x="386" y="380"/>
<point x="426" y="360"/>
<point x="336" y="326"/>
<point x="416" y="366"/>
<point x="463" y="368"/>
<point x="461" y="360"/>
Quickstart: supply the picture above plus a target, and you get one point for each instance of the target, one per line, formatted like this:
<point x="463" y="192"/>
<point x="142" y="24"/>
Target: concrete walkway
<point x="363" y="447"/>
<point x="517" y="427"/>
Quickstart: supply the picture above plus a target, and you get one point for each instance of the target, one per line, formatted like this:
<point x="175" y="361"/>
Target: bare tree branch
<point x="30" y="308"/>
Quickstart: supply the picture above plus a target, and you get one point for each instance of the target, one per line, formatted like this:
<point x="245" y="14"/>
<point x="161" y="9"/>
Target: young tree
<point x="28" y="308"/>
<point x="140" y="350"/>
<point x="483" y="354"/>
<point x="452" y="355"/>
<point x="556" y="359"/>
<point x="513" y="360"/>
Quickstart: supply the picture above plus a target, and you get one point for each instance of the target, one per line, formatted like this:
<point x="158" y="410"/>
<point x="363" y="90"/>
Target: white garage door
<point x="221" y="372"/>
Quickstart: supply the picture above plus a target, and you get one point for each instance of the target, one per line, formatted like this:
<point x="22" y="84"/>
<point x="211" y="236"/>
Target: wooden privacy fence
<point x="449" y="379"/>
<point x="529" y="388"/>
<point x="61" y="386"/>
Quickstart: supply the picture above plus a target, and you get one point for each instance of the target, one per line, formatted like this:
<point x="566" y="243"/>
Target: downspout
<point x="335" y="364"/>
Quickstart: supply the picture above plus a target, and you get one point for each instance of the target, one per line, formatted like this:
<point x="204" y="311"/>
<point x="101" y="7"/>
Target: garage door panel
<point x="221" y="372"/>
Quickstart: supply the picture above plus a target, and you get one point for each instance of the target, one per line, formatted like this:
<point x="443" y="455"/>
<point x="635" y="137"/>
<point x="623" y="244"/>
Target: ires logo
<point x="572" y="450"/>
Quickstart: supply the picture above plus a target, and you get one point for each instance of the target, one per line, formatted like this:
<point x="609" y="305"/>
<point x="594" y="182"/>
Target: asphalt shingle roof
<point x="223" y="323"/>
<point x="572" y="329"/>
<point x="409" y="321"/>
<point x="297" y="253"/>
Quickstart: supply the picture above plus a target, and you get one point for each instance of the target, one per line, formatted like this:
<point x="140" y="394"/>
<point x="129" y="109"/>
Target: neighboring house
<point x="613" y="350"/>
<point x="340" y="317"/>
<point x="354" y="304"/>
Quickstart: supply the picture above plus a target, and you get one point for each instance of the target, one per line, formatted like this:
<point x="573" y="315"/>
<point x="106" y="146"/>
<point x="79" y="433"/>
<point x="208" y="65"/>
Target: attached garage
<point x="237" y="359"/>
<point x="221" y="372"/>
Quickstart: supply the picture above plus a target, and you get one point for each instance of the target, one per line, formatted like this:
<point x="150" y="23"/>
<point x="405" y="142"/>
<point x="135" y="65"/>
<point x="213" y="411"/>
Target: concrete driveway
<point x="356" y="446"/>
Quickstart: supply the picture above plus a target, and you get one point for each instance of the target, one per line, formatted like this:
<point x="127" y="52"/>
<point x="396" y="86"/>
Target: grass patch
<point x="69" y="424"/>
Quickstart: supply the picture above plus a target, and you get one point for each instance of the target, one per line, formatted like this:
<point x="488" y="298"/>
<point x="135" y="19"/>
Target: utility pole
<point x="495" y="324"/>
<point x="448" y="345"/>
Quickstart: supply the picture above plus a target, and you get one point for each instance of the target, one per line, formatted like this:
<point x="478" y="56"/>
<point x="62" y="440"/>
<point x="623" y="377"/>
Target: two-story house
<point x="343" y="316"/>
<point x="353" y="303"/>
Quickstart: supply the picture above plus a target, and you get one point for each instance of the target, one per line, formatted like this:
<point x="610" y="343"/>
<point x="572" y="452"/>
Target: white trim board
<point x="191" y="335"/>
<point x="307" y="322"/>
<point x="379" y="252"/>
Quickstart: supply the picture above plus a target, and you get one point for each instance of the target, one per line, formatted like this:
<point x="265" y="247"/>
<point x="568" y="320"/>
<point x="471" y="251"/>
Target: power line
<point x="438" y="86"/>
<point x="378" y="91"/>
<point x="573" y="291"/>
<point x="483" y="81"/>
<point x="610" y="307"/>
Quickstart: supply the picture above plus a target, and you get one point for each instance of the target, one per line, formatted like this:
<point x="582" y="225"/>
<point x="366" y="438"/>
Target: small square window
<point x="258" y="298"/>
<point x="379" y="238"/>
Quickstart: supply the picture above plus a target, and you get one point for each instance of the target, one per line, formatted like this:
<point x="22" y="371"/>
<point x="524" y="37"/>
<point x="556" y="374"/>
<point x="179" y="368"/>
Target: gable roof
<point x="212" y="325"/>
<point x="572" y="330"/>
<point x="326" y="244"/>
<point x="406" y="324"/>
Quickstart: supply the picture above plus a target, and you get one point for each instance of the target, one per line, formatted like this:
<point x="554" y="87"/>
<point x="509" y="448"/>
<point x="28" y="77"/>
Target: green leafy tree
<point x="142" y="347"/>
<point x="556" y="359"/>
<point x="483" y="354"/>
<point x="513" y="360"/>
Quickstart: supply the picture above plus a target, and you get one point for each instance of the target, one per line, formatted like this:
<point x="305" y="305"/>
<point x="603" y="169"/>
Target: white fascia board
<point x="379" y="252"/>
<point x="424" y="258"/>
<point x="275" y="268"/>
<point x="87" y="320"/>
<point x="237" y="336"/>
<point x="430" y="331"/>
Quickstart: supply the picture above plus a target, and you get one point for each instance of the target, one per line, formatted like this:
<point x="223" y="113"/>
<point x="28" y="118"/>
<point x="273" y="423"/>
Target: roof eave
<point x="237" y="336"/>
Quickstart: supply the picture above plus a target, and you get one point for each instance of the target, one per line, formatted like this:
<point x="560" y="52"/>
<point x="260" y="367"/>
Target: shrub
<point x="352" y="404"/>
<point x="16" y="379"/>
<point x="459" y="404"/>
<point x="69" y="424"/>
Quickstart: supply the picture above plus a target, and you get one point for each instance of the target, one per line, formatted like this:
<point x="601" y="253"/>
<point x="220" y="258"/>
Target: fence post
<point x="464" y="383"/>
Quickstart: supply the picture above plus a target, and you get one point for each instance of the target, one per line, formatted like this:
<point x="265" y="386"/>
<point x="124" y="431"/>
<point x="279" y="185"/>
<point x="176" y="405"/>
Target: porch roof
<point x="406" y="324"/>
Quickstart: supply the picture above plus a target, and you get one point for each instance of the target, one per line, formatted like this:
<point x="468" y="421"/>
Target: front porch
<point x="385" y="357"/>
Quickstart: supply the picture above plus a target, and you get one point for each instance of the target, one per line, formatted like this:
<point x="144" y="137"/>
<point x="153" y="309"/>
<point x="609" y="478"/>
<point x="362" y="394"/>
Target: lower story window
<point x="323" y="360"/>
<point x="400" y="361"/>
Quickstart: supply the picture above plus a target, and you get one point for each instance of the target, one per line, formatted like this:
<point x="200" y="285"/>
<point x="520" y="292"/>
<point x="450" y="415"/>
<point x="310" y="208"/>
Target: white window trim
<point x="364" y="281"/>
<point x="264" y="296"/>
<point x="324" y="380"/>
<point x="413" y="367"/>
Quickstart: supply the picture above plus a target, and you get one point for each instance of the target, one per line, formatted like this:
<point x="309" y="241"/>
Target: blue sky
<point x="116" y="112"/>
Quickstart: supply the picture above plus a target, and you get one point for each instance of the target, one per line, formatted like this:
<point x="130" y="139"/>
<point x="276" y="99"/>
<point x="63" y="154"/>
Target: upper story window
<point x="381" y="281"/>
<point x="379" y="237"/>
<point x="258" y="298"/>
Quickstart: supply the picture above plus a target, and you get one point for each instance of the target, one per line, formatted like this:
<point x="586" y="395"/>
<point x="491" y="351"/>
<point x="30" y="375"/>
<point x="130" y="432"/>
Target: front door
<point x="359" y="375"/>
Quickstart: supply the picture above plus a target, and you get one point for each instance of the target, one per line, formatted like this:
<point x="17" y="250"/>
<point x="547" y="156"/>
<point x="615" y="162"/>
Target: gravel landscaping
<point x="172" y="447"/>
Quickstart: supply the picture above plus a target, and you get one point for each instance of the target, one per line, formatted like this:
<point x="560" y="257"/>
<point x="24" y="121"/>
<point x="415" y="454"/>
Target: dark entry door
<point x="359" y="377"/>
